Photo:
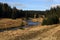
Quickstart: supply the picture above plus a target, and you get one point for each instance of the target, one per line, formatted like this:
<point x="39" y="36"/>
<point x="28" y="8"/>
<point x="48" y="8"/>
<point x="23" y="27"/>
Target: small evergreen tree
<point x="51" y="20"/>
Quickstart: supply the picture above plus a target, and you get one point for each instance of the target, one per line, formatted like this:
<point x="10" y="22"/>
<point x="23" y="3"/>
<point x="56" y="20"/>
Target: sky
<point x="32" y="4"/>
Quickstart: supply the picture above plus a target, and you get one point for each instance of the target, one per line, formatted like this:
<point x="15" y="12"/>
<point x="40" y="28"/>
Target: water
<point x="30" y="23"/>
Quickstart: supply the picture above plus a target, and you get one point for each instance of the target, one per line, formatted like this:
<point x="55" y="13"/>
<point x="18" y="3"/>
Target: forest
<point x="7" y="12"/>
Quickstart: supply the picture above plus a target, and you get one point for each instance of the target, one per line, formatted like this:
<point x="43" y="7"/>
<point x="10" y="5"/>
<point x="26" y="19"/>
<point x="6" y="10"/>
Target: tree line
<point x="7" y="12"/>
<point x="53" y="12"/>
<point x="52" y="16"/>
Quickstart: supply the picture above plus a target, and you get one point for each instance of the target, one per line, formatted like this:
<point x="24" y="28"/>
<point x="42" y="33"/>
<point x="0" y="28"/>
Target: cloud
<point x="56" y="1"/>
<point x="55" y="5"/>
<point x="17" y="4"/>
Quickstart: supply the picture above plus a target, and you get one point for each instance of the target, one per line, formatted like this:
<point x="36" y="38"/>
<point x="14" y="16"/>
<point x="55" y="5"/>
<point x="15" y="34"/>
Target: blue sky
<point x="32" y="4"/>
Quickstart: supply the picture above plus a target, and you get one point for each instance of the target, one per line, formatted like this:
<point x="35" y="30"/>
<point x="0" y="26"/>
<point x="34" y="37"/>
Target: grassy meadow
<point x="9" y="23"/>
<point x="47" y="28"/>
<point x="32" y="33"/>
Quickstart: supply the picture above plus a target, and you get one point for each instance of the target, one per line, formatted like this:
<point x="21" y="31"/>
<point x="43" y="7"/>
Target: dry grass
<point x="39" y="32"/>
<point x="8" y="23"/>
<point x="27" y="34"/>
<point x="37" y="20"/>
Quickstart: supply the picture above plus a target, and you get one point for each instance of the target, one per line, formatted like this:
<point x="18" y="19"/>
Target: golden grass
<point x="8" y="23"/>
<point x="38" y="32"/>
<point x="26" y="34"/>
<point x="37" y="20"/>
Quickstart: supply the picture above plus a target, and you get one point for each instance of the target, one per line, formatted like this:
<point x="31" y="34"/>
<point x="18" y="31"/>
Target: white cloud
<point x="17" y="4"/>
<point x="56" y="0"/>
<point x="55" y="5"/>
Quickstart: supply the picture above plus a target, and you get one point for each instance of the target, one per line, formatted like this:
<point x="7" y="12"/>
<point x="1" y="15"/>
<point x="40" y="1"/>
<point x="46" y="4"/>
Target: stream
<point x="30" y="23"/>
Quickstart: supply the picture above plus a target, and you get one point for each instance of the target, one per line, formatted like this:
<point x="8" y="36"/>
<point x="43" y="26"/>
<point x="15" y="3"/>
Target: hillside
<point x="49" y="32"/>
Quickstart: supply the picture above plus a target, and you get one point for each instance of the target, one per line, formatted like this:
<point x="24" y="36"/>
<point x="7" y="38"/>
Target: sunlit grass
<point x="8" y="23"/>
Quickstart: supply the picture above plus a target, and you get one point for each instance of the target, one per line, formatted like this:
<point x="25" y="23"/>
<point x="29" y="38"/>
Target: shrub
<point x="51" y="20"/>
<point x="44" y="22"/>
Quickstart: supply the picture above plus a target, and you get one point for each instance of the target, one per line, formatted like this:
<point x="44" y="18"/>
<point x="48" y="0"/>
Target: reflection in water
<point x="30" y="23"/>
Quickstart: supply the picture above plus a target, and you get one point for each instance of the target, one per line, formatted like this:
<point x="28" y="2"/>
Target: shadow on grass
<point x="12" y="28"/>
